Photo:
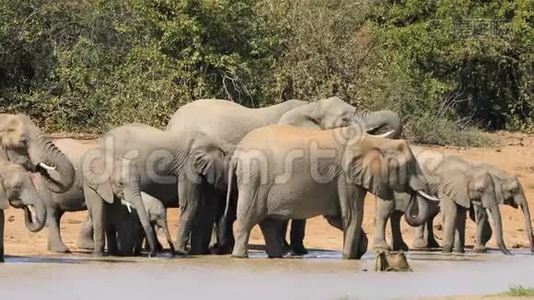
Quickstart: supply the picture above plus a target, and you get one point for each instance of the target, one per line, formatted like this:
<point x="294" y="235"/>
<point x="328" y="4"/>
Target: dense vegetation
<point x="444" y="65"/>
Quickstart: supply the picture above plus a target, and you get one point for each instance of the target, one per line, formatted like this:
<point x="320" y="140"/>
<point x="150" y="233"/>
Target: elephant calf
<point x="123" y="229"/>
<point x="282" y="174"/>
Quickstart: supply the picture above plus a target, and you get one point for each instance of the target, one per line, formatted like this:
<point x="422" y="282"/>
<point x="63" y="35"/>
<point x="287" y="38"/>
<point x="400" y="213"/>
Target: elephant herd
<point x="228" y="168"/>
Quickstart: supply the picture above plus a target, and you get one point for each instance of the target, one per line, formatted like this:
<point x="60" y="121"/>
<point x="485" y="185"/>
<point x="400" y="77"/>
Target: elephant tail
<point x="231" y="175"/>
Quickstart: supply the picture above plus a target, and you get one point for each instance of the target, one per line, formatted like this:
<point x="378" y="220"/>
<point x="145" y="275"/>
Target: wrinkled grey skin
<point x="358" y="163"/>
<point x="137" y="158"/>
<point x="69" y="201"/>
<point x="23" y="143"/>
<point x="16" y="190"/>
<point x="459" y="184"/>
<point x="509" y="191"/>
<point x="123" y="231"/>
<point x="230" y="122"/>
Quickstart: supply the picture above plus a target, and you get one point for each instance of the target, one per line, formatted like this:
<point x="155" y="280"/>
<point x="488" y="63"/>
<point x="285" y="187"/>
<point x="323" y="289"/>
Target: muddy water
<point x="321" y="275"/>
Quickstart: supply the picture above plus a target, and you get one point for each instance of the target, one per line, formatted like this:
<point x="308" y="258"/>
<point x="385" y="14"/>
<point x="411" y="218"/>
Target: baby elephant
<point x="125" y="234"/>
<point x="391" y="261"/>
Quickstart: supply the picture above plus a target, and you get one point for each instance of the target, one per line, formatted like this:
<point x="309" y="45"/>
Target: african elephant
<point x="16" y="189"/>
<point x="184" y="166"/>
<point x="23" y="143"/>
<point x="458" y="184"/>
<point x="230" y="122"/>
<point x="509" y="191"/>
<point x="285" y="172"/>
<point x="125" y="235"/>
<point x="69" y="201"/>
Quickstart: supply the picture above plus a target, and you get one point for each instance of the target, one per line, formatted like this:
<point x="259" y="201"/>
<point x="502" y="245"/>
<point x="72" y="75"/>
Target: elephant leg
<point x="484" y="230"/>
<point x="383" y="212"/>
<point x="298" y="230"/>
<point x="203" y="224"/>
<point x="1" y="235"/>
<point x="429" y="233"/>
<point x="351" y="201"/>
<point x="459" y="235"/>
<point x="162" y="223"/>
<point x="396" y="233"/>
<point x="95" y="205"/>
<point x="55" y="244"/>
<point x="283" y="235"/>
<point x="225" y="236"/>
<point x="110" y="229"/>
<point x="419" y="241"/>
<point x="449" y="211"/>
<point x="85" y="236"/>
<point x="246" y="217"/>
<point x="364" y="241"/>
<point x="189" y="201"/>
<point x="271" y="233"/>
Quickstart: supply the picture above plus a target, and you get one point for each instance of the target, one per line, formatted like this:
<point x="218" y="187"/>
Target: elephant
<point x="285" y="172"/>
<point x="509" y="191"/>
<point x="230" y="122"/>
<point x="180" y="168"/>
<point x="71" y="200"/>
<point x="123" y="231"/>
<point x="23" y="143"/>
<point x="391" y="261"/>
<point x="459" y="185"/>
<point x="16" y="189"/>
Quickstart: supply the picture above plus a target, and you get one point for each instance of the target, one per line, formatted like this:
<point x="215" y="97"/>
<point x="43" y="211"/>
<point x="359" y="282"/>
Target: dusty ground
<point x="513" y="153"/>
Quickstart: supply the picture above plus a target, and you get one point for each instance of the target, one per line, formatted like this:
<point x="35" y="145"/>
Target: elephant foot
<point x="447" y="249"/>
<point x="58" y="248"/>
<point x="299" y="250"/>
<point x="400" y="246"/>
<point x="381" y="245"/>
<point x="239" y="255"/>
<point x="459" y="250"/>
<point x="180" y="253"/>
<point x="98" y="253"/>
<point x="420" y="244"/>
<point x="433" y="243"/>
<point x="2" y="260"/>
<point x="480" y="249"/>
<point x="85" y="244"/>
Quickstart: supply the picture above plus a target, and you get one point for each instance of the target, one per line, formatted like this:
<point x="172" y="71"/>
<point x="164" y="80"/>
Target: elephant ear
<point x="205" y="163"/>
<point x="498" y="190"/>
<point x="4" y="202"/>
<point x="105" y="191"/>
<point x="367" y="169"/>
<point x="97" y="177"/>
<point x="455" y="189"/>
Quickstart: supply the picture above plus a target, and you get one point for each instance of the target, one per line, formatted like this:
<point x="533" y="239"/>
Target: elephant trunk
<point x="133" y="195"/>
<point x="521" y="200"/>
<point x="422" y="213"/>
<point x="495" y="214"/>
<point x="383" y="121"/>
<point x="53" y="164"/>
<point x="34" y="221"/>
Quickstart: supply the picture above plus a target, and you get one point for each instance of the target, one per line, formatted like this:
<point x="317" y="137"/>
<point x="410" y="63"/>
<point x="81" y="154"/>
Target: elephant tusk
<point x="45" y="166"/>
<point x="427" y="196"/>
<point x="128" y="205"/>
<point x="384" y="135"/>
